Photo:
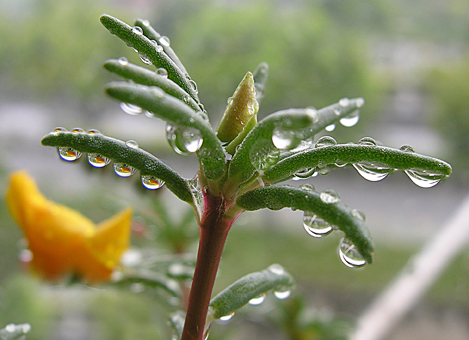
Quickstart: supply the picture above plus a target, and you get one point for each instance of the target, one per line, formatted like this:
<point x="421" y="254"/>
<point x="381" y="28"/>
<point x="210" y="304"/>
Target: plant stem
<point x="214" y="227"/>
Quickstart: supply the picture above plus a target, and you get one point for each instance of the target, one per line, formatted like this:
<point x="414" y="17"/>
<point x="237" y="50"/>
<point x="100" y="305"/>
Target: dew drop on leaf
<point x="351" y="119"/>
<point x="282" y="294"/>
<point x="122" y="61"/>
<point x="159" y="48"/>
<point x="329" y="196"/>
<point x="164" y="40"/>
<point x="344" y="102"/>
<point x="406" y="148"/>
<point x="123" y="170"/>
<point x="263" y="155"/>
<point x="161" y="71"/>
<point x="78" y="130"/>
<point x="131" y="109"/>
<point x="305" y="173"/>
<point x="151" y="182"/>
<point x="285" y="139"/>
<point x="349" y="254"/>
<point x="316" y="226"/>
<point x="330" y="128"/>
<point x="227" y="317"/>
<point x="257" y="300"/>
<point x="276" y="269"/>
<point x="325" y="141"/>
<point x="358" y="214"/>
<point x="367" y="141"/>
<point x="93" y="132"/>
<point x="372" y="172"/>
<point x="308" y="187"/>
<point x="183" y="140"/>
<point x="97" y="160"/>
<point x="131" y="144"/>
<point x="137" y="30"/>
<point x="193" y="86"/>
<point x="60" y="129"/>
<point x="423" y="178"/>
<point x="68" y="154"/>
<point x="144" y="59"/>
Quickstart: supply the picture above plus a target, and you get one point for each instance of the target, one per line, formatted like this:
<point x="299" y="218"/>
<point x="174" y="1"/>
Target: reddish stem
<point x="213" y="228"/>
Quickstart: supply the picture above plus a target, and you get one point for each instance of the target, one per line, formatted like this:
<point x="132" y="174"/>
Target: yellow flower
<point x="62" y="240"/>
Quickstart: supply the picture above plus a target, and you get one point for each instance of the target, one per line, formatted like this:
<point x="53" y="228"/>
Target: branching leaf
<point x="174" y="111"/>
<point x="335" y="213"/>
<point x="135" y="38"/>
<point x="249" y="287"/>
<point x="393" y="159"/>
<point x="13" y="332"/>
<point x="143" y="76"/>
<point x="119" y="152"/>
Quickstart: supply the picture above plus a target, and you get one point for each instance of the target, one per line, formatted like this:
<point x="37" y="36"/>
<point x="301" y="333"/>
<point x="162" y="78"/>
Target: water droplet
<point x="316" y="226"/>
<point x="337" y="112"/>
<point x="305" y="173"/>
<point x="25" y="256"/>
<point x="277" y="269"/>
<point x="227" y="317"/>
<point x="344" y="102"/>
<point x="68" y="154"/>
<point x="124" y="170"/>
<point x="164" y="40"/>
<point x="407" y="148"/>
<point x="159" y="48"/>
<point x="131" y="144"/>
<point x="423" y="178"/>
<point x="285" y="139"/>
<point x="122" y="61"/>
<point x="131" y="109"/>
<point x="263" y="155"/>
<point x="26" y="328"/>
<point x="137" y="30"/>
<point x="98" y="161"/>
<point x="183" y="140"/>
<point x="149" y="114"/>
<point x="78" y="130"/>
<point x="94" y="132"/>
<point x="194" y="86"/>
<point x="360" y="102"/>
<point x="308" y="187"/>
<point x="358" y="214"/>
<point x="349" y="254"/>
<point x="161" y="71"/>
<point x="60" y="129"/>
<point x="282" y="294"/>
<point x="330" y="128"/>
<point x="151" y="182"/>
<point x="329" y="196"/>
<point x="144" y="59"/>
<point x="351" y="119"/>
<point x="367" y="141"/>
<point x="325" y="141"/>
<point x="257" y="300"/>
<point x="372" y="172"/>
<point x="10" y="328"/>
<point x="311" y="111"/>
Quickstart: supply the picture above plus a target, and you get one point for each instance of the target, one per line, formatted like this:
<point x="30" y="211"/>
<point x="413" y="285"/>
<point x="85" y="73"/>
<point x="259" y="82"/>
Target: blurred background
<point x="409" y="59"/>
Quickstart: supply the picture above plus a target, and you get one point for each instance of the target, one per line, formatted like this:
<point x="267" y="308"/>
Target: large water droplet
<point x="325" y="141"/>
<point x="144" y="59"/>
<point x="423" y="178"/>
<point x="161" y="71"/>
<point x="124" y="170"/>
<point x="316" y="226"/>
<point x="329" y="196"/>
<point x="367" y="141"/>
<point x="137" y="30"/>
<point x="183" y="140"/>
<point x="97" y="160"/>
<point x="122" y="61"/>
<point x="68" y="154"/>
<point x="94" y="132"/>
<point x="305" y="173"/>
<point x="78" y="130"/>
<point x="349" y="254"/>
<point x="372" y="172"/>
<point x="282" y="294"/>
<point x="277" y="269"/>
<point x="308" y="187"/>
<point x="131" y="109"/>
<point x="351" y="119"/>
<point x="344" y="102"/>
<point x="164" y="40"/>
<point x="131" y="144"/>
<point x="227" y="317"/>
<point x="257" y="300"/>
<point x="285" y="139"/>
<point x="60" y="129"/>
<point x="263" y="155"/>
<point x="330" y="128"/>
<point x="151" y="182"/>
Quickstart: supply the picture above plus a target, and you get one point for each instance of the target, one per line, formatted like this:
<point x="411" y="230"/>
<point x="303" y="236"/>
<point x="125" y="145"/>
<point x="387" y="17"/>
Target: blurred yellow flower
<point x="62" y="240"/>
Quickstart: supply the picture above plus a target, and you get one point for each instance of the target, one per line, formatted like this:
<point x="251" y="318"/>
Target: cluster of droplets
<point x="99" y="161"/>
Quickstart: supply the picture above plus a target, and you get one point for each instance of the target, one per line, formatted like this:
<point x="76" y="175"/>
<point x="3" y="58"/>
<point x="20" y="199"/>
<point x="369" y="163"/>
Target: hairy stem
<point x="214" y="227"/>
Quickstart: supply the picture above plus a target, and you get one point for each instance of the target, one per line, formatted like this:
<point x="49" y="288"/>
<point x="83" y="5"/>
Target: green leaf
<point x="147" y="48"/>
<point x="335" y="213"/>
<point x="119" y="152"/>
<point x="12" y="331"/>
<point x="152" y="34"/>
<point x="241" y="168"/>
<point x="386" y="157"/>
<point x="249" y="287"/>
<point x="174" y="111"/>
<point x="141" y="75"/>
